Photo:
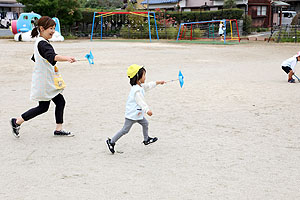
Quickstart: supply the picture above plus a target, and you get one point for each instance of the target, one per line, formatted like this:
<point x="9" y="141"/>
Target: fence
<point x="286" y="33"/>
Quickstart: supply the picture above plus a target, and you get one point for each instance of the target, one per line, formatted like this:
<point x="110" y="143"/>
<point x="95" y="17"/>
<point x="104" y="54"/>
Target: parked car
<point x="287" y="17"/>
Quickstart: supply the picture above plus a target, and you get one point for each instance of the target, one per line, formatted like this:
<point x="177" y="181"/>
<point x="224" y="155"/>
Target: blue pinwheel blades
<point x="90" y="57"/>
<point x="180" y="78"/>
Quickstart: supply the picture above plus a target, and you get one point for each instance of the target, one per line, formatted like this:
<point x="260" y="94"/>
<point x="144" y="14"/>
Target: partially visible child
<point x="136" y="106"/>
<point x="289" y="66"/>
<point x="47" y="83"/>
<point x="221" y="30"/>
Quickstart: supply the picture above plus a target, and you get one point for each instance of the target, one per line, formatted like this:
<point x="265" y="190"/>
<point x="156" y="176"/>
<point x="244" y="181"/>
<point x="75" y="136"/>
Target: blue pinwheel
<point x="89" y="57"/>
<point x="180" y="79"/>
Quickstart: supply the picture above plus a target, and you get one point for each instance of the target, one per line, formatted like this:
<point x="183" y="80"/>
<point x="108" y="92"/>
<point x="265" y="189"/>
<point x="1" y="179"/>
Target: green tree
<point x="229" y="4"/>
<point x="92" y="4"/>
<point x="65" y="10"/>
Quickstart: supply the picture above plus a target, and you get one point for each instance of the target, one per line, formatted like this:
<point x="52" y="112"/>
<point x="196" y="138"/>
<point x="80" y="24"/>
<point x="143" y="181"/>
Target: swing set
<point x="208" y="30"/>
<point x="103" y="15"/>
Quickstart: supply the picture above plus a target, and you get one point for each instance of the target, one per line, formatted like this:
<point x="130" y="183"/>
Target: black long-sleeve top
<point x="46" y="51"/>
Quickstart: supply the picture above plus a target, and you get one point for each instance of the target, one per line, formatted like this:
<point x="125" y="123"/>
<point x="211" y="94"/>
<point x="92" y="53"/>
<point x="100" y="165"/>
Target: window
<point x="261" y="10"/>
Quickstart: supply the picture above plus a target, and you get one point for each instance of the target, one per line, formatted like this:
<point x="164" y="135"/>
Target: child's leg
<point x="127" y="126"/>
<point x="289" y="72"/>
<point x="290" y="75"/>
<point x="33" y="112"/>
<point x="145" y="124"/>
<point x="59" y="110"/>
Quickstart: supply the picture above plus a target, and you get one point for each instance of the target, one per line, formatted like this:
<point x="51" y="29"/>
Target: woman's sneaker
<point x="110" y="145"/>
<point x="150" y="140"/>
<point x="63" y="133"/>
<point x="15" y="127"/>
<point x="291" y="81"/>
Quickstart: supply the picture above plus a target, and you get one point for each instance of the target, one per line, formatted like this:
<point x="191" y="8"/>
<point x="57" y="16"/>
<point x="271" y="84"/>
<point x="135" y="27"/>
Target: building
<point x="242" y="4"/>
<point x="196" y="5"/>
<point x="190" y="5"/>
<point x="10" y="9"/>
<point x="260" y="12"/>
<point x="162" y="4"/>
<point x="294" y="5"/>
<point x="264" y="13"/>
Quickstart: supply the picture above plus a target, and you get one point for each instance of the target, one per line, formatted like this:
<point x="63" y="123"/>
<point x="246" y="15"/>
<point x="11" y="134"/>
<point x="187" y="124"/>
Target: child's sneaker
<point x="291" y="80"/>
<point x="63" y="133"/>
<point x="111" y="146"/>
<point x="15" y="127"/>
<point x="150" y="140"/>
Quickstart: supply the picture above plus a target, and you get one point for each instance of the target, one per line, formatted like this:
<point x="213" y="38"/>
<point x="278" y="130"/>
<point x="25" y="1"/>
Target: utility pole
<point x="148" y="5"/>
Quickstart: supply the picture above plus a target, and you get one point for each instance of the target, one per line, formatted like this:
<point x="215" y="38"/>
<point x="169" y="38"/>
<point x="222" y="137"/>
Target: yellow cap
<point x="133" y="70"/>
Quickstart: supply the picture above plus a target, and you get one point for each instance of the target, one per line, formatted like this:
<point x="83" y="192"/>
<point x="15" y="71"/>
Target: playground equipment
<point x="115" y="22"/>
<point x="22" y="27"/>
<point x="208" y="30"/>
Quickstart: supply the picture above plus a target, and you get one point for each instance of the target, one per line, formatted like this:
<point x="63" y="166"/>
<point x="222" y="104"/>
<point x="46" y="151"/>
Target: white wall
<point x="165" y="5"/>
<point x="221" y="2"/>
<point x="198" y="3"/>
<point x="183" y="3"/>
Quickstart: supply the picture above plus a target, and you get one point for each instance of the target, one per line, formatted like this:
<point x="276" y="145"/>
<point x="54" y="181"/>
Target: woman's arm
<point x="64" y="58"/>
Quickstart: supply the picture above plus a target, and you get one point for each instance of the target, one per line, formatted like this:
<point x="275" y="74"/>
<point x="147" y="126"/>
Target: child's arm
<point x="141" y="102"/>
<point x="152" y="84"/>
<point x="64" y="58"/>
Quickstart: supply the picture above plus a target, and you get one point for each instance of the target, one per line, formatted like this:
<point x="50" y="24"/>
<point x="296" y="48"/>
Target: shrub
<point x="247" y="24"/>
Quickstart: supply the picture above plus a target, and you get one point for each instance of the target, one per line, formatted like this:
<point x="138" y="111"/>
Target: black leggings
<point x="44" y="106"/>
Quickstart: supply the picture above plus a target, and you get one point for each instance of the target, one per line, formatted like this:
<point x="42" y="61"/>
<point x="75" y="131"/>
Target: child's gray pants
<point x="127" y="125"/>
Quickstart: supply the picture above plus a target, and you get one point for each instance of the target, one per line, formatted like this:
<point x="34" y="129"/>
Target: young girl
<point x="221" y="30"/>
<point x="136" y="105"/>
<point x="47" y="83"/>
<point x="289" y="66"/>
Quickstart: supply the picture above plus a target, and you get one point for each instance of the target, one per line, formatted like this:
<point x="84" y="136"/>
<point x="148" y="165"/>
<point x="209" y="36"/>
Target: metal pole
<point x="225" y="32"/>
<point x="101" y="25"/>
<point x="178" y="32"/>
<point x="149" y="27"/>
<point x="93" y="27"/>
<point x="155" y="26"/>
<point x="147" y="5"/>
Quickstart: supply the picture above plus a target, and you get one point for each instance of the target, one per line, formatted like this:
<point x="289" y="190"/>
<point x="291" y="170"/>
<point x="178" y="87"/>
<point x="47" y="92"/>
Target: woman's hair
<point x="138" y="76"/>
<point x="45" y="22"/>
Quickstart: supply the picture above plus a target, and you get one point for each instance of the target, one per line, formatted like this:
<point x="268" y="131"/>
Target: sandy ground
<point x="232" y="131"/>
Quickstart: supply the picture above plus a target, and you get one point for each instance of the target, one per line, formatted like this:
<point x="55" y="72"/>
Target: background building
<point x="9" y="10"/>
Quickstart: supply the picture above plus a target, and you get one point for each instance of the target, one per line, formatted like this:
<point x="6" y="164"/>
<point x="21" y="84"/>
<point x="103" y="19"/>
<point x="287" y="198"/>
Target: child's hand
<point x="149" y="113"/>
<point x="160" y="82"/>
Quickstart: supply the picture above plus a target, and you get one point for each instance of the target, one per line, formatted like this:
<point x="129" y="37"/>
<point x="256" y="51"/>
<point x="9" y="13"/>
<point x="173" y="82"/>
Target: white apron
<point x="46" y="79"/>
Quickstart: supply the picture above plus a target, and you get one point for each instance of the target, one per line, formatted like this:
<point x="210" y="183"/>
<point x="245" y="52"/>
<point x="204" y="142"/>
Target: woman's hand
<point x="65" y="58"/>
<point x="71" y="59"/>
